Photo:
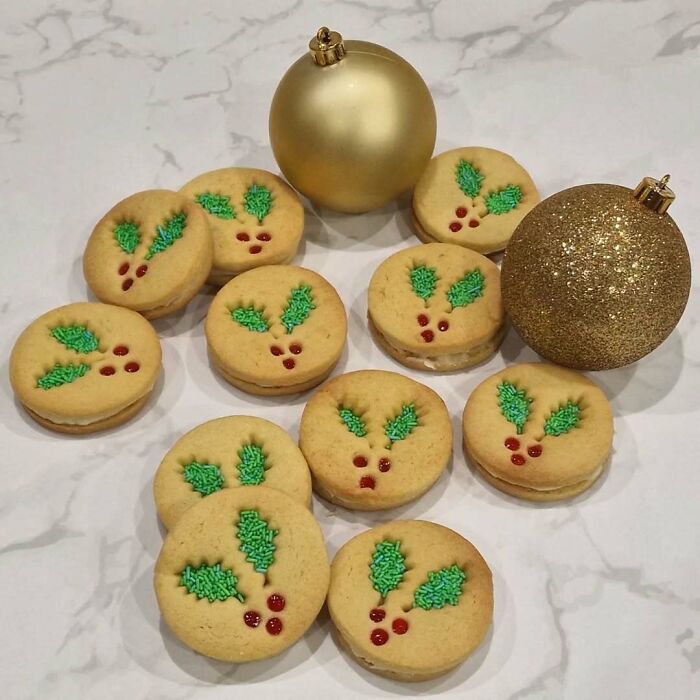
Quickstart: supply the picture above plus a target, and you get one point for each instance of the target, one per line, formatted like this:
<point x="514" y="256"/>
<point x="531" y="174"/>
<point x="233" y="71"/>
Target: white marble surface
<point x="599" y="598"/>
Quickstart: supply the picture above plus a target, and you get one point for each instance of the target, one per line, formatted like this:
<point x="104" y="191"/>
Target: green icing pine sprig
<point x="218" y="205"/>
<point x="504" y="200"/>
<point x="563" y="420"/>
<point x="299" y="306"/>
<point x="256" y="540"/>
<point x="387" y="567"/>
<point x="127" y="236"/>
<point x="166" y="234"/>
<point x="423" y="281"/>
<point x="468" y="178"/>
<point x="62" y="374"/>
<point x="352" y="422"/>
<point x="258" y="201"/>
<point x="252" y="465"/>
<point x="514" y="404"/>
<point x="211" y="582"/>
<point x="205" y="479"/>
<point x="77" y="338"/>
<point x="467" y="290"/>
<point x="401" y="425"/>
<point x="250" y="318"/>
<point x="442" y="588"/>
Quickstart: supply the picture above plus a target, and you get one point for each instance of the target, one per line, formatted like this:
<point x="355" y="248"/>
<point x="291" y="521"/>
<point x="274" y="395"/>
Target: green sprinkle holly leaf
<point x="468" y="178"/>
<point x="299" y="305"/>
<point x="256" y="540"/>
<point x="60" y="375"/>
<point x="258" y="201"/>
<point x="127" y="236"/>
<point x="401" y="425"/>
<point x="514" y="404"/>
<point x="252" y="465"/>
<point x="387" y="567"/>
<point x="504" y="200"/>
<point x="423" y="281"/>
<point x="250" y="318"/>
<point x="166" y="234"/>
<point x="467" y="290"/>
<point x="353" y="422"/>
<point x="442" y="588"/>
<point x="211" y="582"/>
<point x="77" y="338"/>
<point x="205" y="479"/>
<point x="218" y="205"/>
<point x="563" y="420"/>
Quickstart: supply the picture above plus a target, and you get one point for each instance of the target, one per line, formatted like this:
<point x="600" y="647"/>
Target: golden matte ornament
<point x="352" y="125"/>
<point x="597" y="276"/>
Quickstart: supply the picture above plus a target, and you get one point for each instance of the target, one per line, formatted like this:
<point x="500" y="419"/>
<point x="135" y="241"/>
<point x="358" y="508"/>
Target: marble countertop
<point x="598" y="598"/>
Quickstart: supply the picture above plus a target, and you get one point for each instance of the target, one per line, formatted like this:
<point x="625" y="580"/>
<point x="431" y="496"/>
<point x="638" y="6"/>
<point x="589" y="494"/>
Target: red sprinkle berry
<point x="295" y="349"/>
<point x="288" y="362"/>
<point x="141" y="270"/>
<point x="276" y="350"/>
<point x="107" y="371"/>
<point x="126" y="284"/>
<point x="377" y="614"/>
<point x="132" y="367"/>
<point x="360" y="461"/>
<point x="461" y="212"/>
<point x="263" y="236"/>
<point x="384" y="464"/>
<point x="379" y="637"/>
<point x="367" y="482"/>
<point x="473" y="223"/>
<point x="443" y="325"/>
<point x="252" y="618"/>
<point x="242" y="236"/>
<point x="455" y="226"/>
<point x="276" y="602"/>
<point x="399" y="625"/>
<point x="428" y="336"/>
<point x="121" y="350"/>
<point x="123" y="268"/>
<point x="274" y="625"/>
<point x="254" y="249"/>
<point x="512" y="443"/>
<point x="518" y="460"/>
<point x="534" y="450"/>
<point x="423" y="320"/>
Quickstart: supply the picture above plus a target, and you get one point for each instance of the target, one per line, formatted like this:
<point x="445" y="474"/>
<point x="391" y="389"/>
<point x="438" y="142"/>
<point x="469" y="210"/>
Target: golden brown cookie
<point x="254" y="216"/>
<point x="375" y="439"/>
<point x="276" y="330"/>
<point x="410" y="599"/>
<point x="85" y="367"/>
<point x="242" y="574"/>
<point x="473" y="197"/>
<point x="538" y="431"/>
<point x="227" y="453"/>
<point x="152" y="253"/>
<point x="437" y="307"/>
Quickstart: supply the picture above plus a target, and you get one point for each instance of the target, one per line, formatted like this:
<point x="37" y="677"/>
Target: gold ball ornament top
<point x="352" y="124"/>
<point x="597" y="276"/>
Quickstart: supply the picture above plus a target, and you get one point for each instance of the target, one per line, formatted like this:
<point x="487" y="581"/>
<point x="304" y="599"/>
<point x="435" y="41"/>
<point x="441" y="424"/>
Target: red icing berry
<point x="276" y="602"/>
<point x="377" y="614"/>
<point x="360" y="461"/>
<point x="132" y="367"/>
<point x="276" y="350"/>
<point x="399" y="625"/>
<point x="107" y="371"/>
<point x="242" y="236"/>
<point x="423" y="320"/>
<point x="126" y="284"/>
<point x="443" y="325"/>
<point x="473" y="223"/>
<point x="274" y="625"/>
<point x="288" y="362"/>
<point x="518" y="460"/>
<point x="252" y="618"/>
<point x="141" y="270"/>
<point x="121" y="350"/>
<point x="379" y="637"/>
<point x="461" y="212"/>
<point x="534" y="450"/>
<point x="366" y="482"/>
<point x="455" y="226"/>
<point x="263" y="236"/>
<point x="428" y="336"/>
<point x="254" y="249"/>
<point x="123" y="268"/>
<point x="512" y="443"/>
<point x="295" y="349"/>
<point x="384" y="464"/>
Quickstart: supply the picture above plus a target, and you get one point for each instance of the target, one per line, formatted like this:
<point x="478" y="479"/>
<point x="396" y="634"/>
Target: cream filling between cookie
<point x="589" y="480"/>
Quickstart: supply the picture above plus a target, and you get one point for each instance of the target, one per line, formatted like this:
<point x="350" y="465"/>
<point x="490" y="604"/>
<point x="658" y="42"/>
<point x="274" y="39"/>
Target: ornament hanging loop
<point x="326" y="47"/>
<point x="655" y="194"/>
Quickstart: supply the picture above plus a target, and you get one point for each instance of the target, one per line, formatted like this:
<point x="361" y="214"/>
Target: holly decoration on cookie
<point x="423" y="281"/>
<point x="353" y="422"/>
<point x="59" y="375"/>
<point x="218" y="205"/>
<point x="211" y="582"/>
<point x="128" y="236"/>
<point x="564" y="419"/>
<point x="251" y="318"/>
<point x="77" y="338"/>
<point x="466" y="290"/>
<point x="401" y="425"/>
<point x="442" y="588"/>
<point x="252" y="465"/>
<point x="387" y="567"/>
<point x="258" y="202"/>
<point x="204" y="478"/>
<point x="514" y="404"/>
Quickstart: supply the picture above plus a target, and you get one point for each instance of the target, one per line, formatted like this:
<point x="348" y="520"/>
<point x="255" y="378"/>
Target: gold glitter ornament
<point x="352" y="125"/>
<point x="597" y="276"/>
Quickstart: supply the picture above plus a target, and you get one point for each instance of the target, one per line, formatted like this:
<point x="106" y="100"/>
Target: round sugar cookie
<point x="437" y="307"/>
<point x="375" y="439"/>
<point x="410" y="599"/>
<point x="473" y="197"/>
<point x="227" y="453"/>
<point x="242" y="574"/>
<point x="538" y="431"/>
<point x="255" y="219"/>
<point x="85" y="367"/>
<point x="276" y="330"/>
<point x="152" y="253"/>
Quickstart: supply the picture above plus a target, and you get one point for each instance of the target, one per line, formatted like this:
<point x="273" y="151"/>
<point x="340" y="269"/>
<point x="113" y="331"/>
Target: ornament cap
<point x="655" y="194"/>
<point x="327" y="47"/>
